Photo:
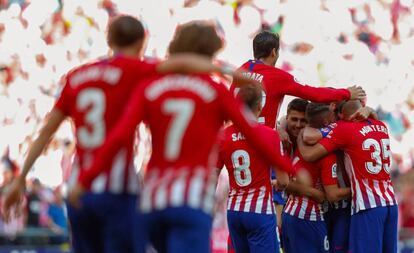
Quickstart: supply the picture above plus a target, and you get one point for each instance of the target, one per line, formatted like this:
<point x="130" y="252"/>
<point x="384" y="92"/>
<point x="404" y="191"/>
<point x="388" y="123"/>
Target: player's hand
<point x="75" y="195"/>
<point x="357" y="92"/>
<point x="284" y="138"/>
<point x="13" y="197"/>
<point x="363" y="114"/>
<point x="318" y="196"/>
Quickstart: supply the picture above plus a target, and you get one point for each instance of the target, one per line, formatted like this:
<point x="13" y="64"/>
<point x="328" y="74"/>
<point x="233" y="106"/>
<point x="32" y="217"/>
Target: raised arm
<point x="320" y="94"/>
<point x="193" y="63"/>
<point x="16" y="191"/>
<point x="266" y="143"/>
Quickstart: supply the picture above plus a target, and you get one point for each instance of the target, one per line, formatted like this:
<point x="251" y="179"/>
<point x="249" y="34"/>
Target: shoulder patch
<point x="334" y="170"/>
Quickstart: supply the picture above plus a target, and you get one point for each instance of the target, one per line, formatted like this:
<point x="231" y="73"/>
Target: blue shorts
<point x="106" y="223"/>
<point x="301" y="235"/>
<point x="278" y="197"/>
<point x="338" y="221"/>
<point x="252" y="232"/>
<point x="374" y="230"/>
<point x="179" y="230"/>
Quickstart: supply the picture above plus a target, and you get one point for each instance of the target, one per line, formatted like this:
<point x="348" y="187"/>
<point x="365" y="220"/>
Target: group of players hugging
<point x="331" y="156"/>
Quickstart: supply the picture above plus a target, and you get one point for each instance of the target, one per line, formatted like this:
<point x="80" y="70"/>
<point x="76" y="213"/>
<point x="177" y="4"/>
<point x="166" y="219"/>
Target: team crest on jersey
<point x="334" y="170"/>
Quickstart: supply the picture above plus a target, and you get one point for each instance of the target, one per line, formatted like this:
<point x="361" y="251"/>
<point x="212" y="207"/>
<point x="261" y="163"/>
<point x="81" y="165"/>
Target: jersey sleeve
<point x="335" y="139"/>
<point x="316" y="94"/>
<point x="220" y="160"/>
<point x="148" y="67"/>
<point x="122" y="132"/>
<point x="64" y="98"/>
<point x="329" y="169"/>
<point x="258" y="139"/>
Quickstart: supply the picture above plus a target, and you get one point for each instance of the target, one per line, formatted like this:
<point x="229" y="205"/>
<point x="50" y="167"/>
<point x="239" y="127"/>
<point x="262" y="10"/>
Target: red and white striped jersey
<point x="333" y="173"/>
<point x="367" y="161"/>
<point x="301" y="206"/>
<point x="249" y="175"/>
<point x="93" y="96"/>
<point x="184" y="114"/>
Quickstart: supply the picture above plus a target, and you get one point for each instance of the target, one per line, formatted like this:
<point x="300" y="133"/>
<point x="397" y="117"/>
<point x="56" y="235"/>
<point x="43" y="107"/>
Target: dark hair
<point x="123" y="31"/>
<point x="297" y="104"/>
<point x="264" y="43"/>
<point x="251" y="95"/>
<point x="196" y="37"/>
<point x="315" y="114"/>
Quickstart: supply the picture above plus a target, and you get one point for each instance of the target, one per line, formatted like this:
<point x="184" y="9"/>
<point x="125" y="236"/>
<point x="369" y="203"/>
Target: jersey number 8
<point x="241" y="164"/>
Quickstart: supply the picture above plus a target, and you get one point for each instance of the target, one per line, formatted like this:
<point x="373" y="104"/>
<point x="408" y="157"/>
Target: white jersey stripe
<point x="387" y="195"/>
<point x="249" y="200"/>
<point x="196" y="188"/>
<point x="238" y="201"/>
<point x="117" y="176"/>
<point x="269" y="209"/>
<point x="134" y="179"/>
<point x="160" y="190"/>
<point x="295" y="205"/>
<point x="370" y="194"/>
<point x="259" y="203"/>
<point x="303" y="208"/>
<point x="313" y="214"/>
<point x="149" y="185"/>
<point x="178" y="189"/>
<point x="379" y="193"/>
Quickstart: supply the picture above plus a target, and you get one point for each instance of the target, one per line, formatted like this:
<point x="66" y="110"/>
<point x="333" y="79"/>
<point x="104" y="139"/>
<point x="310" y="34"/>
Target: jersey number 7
<point x="182" y="111"/>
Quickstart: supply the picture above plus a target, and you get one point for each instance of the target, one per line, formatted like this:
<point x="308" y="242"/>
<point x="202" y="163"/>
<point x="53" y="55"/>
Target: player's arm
<point x="329" y="178"/>
<point x="310" y="153"/>
<point x="283" y="134"/>
<point x="298" y="188"/>
<point x="193" y="63"/>
<point x="320" y="94"/>
<point x="334" y="193"/>
<point x="14" y="195"/>
<point x="262" y="141"/>
<point x="282" y="179"/>
<point x="363" y="114"/>
<point x="311" y="135"/>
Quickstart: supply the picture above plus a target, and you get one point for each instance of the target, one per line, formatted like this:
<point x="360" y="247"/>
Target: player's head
<point x="338" y="109"/>
<point x="295" y="117"/>
<point x="349" y="108"/>
<point x="126" y="35"/>
<point x="251" y="96"/>
<point x="319" y="115"/>
<point x="196" y="37"/>
<point x="266" y="47"/>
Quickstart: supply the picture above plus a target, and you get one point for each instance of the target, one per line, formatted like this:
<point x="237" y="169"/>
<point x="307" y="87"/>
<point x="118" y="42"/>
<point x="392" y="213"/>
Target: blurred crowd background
<point x="323" y="43"/>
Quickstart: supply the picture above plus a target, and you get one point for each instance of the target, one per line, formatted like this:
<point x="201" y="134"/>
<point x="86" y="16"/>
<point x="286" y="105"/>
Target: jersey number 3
<point x="381" y="152"/>
<point x="92" y="102"/>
